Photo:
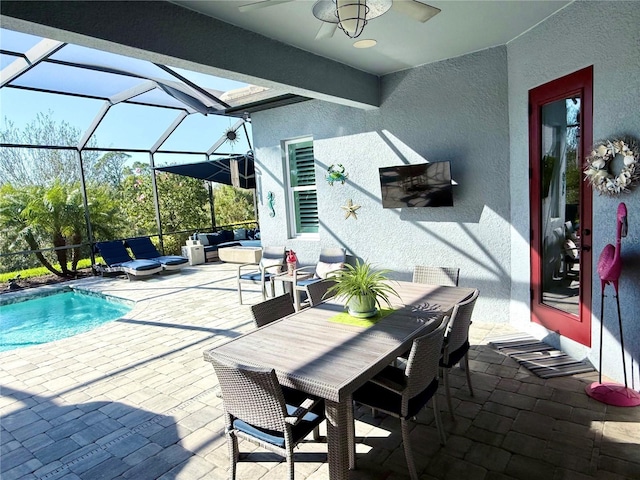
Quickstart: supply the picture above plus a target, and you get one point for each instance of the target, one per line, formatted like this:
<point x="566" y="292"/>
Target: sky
<point x="125" y="126"/>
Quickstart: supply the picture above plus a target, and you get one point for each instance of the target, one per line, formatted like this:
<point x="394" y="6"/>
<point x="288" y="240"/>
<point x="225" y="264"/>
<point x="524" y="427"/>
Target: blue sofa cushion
<point x="214" y="238"/>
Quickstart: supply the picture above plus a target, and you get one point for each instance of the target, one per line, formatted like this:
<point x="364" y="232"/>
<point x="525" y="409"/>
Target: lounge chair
<point x="142" y="248"/>
<point x="117" y="259"/>
<point x="270" y="265"/>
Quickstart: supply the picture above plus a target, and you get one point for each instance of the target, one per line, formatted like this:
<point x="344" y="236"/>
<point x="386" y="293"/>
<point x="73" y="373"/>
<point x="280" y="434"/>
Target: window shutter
<point x="306" y="211"/>
<point x="302" y="177"/>
<point x="302" y="164"/>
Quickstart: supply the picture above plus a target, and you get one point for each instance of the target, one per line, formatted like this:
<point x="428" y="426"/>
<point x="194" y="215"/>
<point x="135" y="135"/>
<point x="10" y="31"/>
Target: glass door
<point x="560" y="132"/>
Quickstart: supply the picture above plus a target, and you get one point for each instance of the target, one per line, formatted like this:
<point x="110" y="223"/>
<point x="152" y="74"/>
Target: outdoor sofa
<point x="212" y="241"/>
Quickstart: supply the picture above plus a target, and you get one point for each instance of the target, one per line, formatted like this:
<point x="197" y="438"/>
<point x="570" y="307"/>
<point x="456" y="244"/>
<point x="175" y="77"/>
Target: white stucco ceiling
<point x="461" y="27"/>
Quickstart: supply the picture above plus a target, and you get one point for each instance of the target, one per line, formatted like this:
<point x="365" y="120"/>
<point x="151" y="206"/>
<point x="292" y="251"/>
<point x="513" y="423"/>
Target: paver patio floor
<point x="134" y="399"/>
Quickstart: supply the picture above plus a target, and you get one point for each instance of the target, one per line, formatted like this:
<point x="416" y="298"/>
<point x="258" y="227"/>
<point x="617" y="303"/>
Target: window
<point x="301" y="186"/>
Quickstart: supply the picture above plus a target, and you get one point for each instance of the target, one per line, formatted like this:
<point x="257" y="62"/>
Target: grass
<point x="40" y="271"/>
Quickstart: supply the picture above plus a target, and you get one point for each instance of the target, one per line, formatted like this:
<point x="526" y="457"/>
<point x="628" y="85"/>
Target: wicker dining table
<point x="315" y="352"/>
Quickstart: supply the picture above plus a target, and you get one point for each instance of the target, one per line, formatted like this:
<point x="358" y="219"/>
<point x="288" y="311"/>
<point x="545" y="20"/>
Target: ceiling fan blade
<point x="326" y="30"/>
<point x="416" y="10"/>
<point x="262" y="4"/>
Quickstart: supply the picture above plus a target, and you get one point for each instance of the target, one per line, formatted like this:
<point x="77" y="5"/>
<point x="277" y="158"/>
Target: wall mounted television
<point x="417" y="185"/>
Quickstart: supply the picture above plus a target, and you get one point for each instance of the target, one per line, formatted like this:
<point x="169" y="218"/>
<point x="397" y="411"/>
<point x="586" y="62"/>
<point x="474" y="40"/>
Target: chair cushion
<point x="138" y="265"/>
<point x="308" y="281"/>
<point x="251" y="276"/>
<point x="456" y="356"/>
<point x="381" y="398"/>
<point x="255" y="276"/>
<point x="143" y="248"/>
<point x="171" y="260"/>
<point x="323" y="268"/>
<point x="113" y="252"/>
<point x="299" y="431"/>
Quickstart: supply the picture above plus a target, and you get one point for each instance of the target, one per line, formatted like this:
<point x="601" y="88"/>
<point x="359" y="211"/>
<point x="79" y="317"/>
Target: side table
<point x="195" y="254"/>
<point x="288" y="285"/>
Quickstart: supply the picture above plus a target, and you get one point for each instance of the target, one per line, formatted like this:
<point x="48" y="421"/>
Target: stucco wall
<point x="454" y="110"/>
<point x="605" y="35"/>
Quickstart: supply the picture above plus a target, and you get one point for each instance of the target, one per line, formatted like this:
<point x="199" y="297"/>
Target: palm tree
<point x="39" y="215"/>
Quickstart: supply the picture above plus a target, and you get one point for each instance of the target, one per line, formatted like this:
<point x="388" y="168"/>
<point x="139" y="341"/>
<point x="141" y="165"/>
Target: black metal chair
<point x="403" y="393"/>
<point x="259" y="410"/>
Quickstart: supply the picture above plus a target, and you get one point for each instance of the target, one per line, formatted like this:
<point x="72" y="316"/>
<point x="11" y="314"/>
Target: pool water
<point x="49" y="318"/>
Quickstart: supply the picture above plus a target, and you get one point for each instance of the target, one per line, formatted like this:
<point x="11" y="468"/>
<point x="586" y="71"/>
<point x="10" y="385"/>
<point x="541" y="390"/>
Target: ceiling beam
<point x="42" y="50"/>
<point x="162" y="32"/>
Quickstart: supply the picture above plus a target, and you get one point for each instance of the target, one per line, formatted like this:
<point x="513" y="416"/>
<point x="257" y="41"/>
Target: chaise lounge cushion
<point x="143" y="248"/>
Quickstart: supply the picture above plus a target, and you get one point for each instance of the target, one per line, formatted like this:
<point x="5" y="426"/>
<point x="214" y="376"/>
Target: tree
<point x="37" y="216"/>
<point x="183" y="203"/>
<point x="109" y="169"/>
<point x="28" y="166"/>
<point x="232" y="205"/>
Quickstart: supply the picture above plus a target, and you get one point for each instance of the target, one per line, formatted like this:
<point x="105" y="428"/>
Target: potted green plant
<point x="362" y="288"/>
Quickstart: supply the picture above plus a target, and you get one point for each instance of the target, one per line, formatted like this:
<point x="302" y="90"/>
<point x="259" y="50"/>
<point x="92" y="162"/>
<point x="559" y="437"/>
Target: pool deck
<point x="134" y="399"/>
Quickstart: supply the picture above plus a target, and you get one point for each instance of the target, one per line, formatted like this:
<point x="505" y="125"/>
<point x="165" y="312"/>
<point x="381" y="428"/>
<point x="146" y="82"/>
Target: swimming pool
<point x="43" y="319"/>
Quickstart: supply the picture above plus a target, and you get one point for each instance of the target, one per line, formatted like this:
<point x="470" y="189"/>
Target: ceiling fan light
<point x="352" y="16"/>
<point x="367" y="43"/>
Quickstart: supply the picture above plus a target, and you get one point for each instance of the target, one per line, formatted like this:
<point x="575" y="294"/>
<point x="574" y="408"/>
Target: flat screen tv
<point x="417" y="185"/>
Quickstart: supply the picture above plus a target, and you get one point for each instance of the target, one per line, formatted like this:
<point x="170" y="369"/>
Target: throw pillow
<point x="268" y="262"/>
<point x="323" y="269"/>
<point x="204" y="240"/>
<point x="240" y="234"/>
<point x="214" y="238"/>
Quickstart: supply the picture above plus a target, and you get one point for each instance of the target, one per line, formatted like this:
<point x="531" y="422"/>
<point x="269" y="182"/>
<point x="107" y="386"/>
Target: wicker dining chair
<point x="445" y="276"/>
<point x="402" y="393"/>
<point x="456" y="343"/>
<point x="317" y="292"/>
<point x="272" y="309"/>
<point x="259" y="410"/>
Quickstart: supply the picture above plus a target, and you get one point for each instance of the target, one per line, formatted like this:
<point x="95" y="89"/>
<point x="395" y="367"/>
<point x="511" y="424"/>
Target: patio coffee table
<point x="240" y="254"/>
<point x="317" y="355"/>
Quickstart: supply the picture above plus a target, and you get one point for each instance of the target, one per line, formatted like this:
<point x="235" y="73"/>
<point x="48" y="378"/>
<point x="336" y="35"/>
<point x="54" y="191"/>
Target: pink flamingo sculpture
<point x="609" y="269"/>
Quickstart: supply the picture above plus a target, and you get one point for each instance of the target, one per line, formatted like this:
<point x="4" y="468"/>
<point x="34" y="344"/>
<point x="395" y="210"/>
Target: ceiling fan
<point x="351" y="16"/>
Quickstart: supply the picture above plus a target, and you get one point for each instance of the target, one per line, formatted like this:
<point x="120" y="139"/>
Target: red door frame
<point x="579" y="83"/>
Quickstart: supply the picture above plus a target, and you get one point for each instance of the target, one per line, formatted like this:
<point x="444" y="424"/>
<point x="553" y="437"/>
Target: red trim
<point x="579" y="84"/>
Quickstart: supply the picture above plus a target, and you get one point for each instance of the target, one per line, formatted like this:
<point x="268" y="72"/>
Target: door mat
<point x="539" y="357"/>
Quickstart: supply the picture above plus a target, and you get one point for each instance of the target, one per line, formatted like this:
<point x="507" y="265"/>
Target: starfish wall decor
<point x="350" y="209"/>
